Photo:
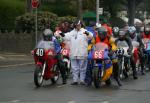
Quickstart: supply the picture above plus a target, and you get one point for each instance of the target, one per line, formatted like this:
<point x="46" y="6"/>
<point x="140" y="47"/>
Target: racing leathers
<point x="128" y="42"/>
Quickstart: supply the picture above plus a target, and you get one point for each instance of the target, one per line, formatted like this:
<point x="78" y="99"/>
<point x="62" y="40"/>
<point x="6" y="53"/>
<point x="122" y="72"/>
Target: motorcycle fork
<point x="43" y="69"/>
<point x="122" y="66"/>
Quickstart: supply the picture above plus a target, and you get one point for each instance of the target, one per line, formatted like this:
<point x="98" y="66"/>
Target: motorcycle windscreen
<point x="123" y="45"/>
<point x="46" y="45"/>
<point x="100" y="51"/>
<point x="135" y="44"/>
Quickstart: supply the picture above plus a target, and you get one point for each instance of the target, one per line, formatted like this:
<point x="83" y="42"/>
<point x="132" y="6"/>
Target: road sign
<point x="100" y="11"/>
<point x="35" y="3"/>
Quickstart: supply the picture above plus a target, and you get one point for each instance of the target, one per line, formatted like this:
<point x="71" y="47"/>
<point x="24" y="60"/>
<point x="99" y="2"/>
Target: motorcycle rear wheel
<point x="55" y="78"/>
<point x="38" y="78"/>
<point x="108" y="82"/>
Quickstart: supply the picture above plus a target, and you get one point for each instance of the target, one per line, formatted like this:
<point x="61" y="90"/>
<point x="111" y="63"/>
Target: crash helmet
<point x="147" y="30"/>
<point x="102" y="33"/>
<point x="132" y="31"/>
<point x="115" y="31"/>
<point x="47" y="35"/>
<point x="122" y="34"/>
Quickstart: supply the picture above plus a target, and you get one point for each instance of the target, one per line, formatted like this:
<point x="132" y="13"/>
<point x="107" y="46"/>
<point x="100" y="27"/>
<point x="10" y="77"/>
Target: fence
<point x="17" y="42"/>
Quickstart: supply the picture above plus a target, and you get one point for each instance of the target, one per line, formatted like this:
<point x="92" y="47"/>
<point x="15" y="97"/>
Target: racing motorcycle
<point x="65" y="52"/>
<point x="123" y="59"/>
<point x="46" y="66"/>
<point x="135" y="52"/>
<point x="102" y="66"/>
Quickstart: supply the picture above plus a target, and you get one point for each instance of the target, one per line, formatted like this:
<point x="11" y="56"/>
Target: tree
<point x="131" y="12"/>
<point x="28" y="6"/>
<point x="79" y="3"/>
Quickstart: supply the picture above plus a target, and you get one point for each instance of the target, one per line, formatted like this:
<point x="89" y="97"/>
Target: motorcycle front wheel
<point x="96" y="77"/>
<point x="38" y="78"/>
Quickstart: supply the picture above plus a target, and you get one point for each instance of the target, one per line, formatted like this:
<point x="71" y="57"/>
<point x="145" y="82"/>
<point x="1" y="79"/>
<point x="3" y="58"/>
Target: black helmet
<point x="47" y="35"/>
<point x="147" y="30"/>
<point x="102" y="33"/>
<point x="122" y="34"/>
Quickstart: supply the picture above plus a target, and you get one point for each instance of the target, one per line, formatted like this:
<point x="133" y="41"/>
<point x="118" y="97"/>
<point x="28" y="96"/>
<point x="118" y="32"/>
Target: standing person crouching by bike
<point x="49" y="39"/>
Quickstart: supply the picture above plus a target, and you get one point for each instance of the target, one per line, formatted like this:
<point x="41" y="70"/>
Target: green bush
<point x="26" y="22"/>
<point x="66" y="18"/>
<point x="9" y="10"/>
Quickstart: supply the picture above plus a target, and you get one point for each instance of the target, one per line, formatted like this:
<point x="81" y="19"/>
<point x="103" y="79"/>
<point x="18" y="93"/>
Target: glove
<point x="62" y="34"/>
<point x="87" y="33"/>
<point x="110" y="53"/>
<point x="129" y="51"/>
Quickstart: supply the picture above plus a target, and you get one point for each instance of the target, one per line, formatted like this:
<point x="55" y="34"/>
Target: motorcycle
<point x="102" y="66"/>
<point x="135" y="52"/>
<point x="123" y="59"/>
<point x="65" y="52"/>
<point x="146" y="43"/>
<point x="46" y="66"/>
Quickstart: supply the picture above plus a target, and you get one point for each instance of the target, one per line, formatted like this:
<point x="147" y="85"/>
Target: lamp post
<point x="97" y="11"/>
<point x="35" y="4"/>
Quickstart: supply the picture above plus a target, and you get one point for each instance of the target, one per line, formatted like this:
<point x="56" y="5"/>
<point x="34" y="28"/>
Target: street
<point x="17" y="87"/>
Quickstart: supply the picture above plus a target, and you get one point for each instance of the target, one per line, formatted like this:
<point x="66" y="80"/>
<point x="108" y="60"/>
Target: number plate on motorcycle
<point x="98" y="54"/>
<point x="65" y="52"/>
<point x="40" y="52"/>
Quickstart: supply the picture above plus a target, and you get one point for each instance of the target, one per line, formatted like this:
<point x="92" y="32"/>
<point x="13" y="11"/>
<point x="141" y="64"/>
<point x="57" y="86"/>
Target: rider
<point x="49" y="39"/>
<point x="122" y="38"/>
<point x="146" y="33"/>
<point x="102" y="36"/>
<point x="136" y="37"/>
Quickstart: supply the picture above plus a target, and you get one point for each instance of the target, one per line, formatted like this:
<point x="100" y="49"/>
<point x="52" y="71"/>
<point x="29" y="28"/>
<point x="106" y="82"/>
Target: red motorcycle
<point x="46" y="66"/>
<point x="66" y="52"/>
<point x="136" y="53"/>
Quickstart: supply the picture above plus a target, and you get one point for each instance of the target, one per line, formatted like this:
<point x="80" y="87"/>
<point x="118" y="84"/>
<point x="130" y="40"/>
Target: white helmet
<point x="132" y="29"/>
<point x="47" y="34"/>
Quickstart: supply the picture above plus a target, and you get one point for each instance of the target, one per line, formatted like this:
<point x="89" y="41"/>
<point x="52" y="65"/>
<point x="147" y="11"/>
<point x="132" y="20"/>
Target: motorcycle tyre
<point x="36" y="76"/>
<point x="96" y="79"/>
<point x="56" y="71"/>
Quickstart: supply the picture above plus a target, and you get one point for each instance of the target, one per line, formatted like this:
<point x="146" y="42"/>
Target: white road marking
<point x="15" y="101"/>
<point x="105" y="102"/>
<point x="15" y="65"/>
<point x="71" y="102"/>
<point x="2" y="57"/>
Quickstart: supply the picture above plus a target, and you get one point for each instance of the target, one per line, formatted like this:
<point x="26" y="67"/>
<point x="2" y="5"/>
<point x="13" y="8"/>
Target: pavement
<point x="8" y="59"/>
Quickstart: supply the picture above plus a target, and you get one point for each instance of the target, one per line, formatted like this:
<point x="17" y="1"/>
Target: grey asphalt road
<point x="16" y="86"/>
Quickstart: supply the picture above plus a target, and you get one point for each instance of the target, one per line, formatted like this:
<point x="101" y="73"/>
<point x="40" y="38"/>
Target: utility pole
<point x="97" y="11"/>
<point x="79" y="3"/>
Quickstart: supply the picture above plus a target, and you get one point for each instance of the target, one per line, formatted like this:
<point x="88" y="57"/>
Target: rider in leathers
<point x="50" y="40"/>
<point x="101" y="36"/>
<point x="122" y="38"/>
<point x="137" y="37"/>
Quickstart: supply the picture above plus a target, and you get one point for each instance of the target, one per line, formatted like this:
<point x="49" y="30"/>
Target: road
<point x="16" y="86"/>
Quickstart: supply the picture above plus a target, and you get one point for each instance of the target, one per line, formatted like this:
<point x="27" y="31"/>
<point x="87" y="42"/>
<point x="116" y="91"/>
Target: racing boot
<point x="133" y="68"/>
<point x="62" y="69"/>
<point x="135" y="73"/>
<point x="116" y="73"/>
